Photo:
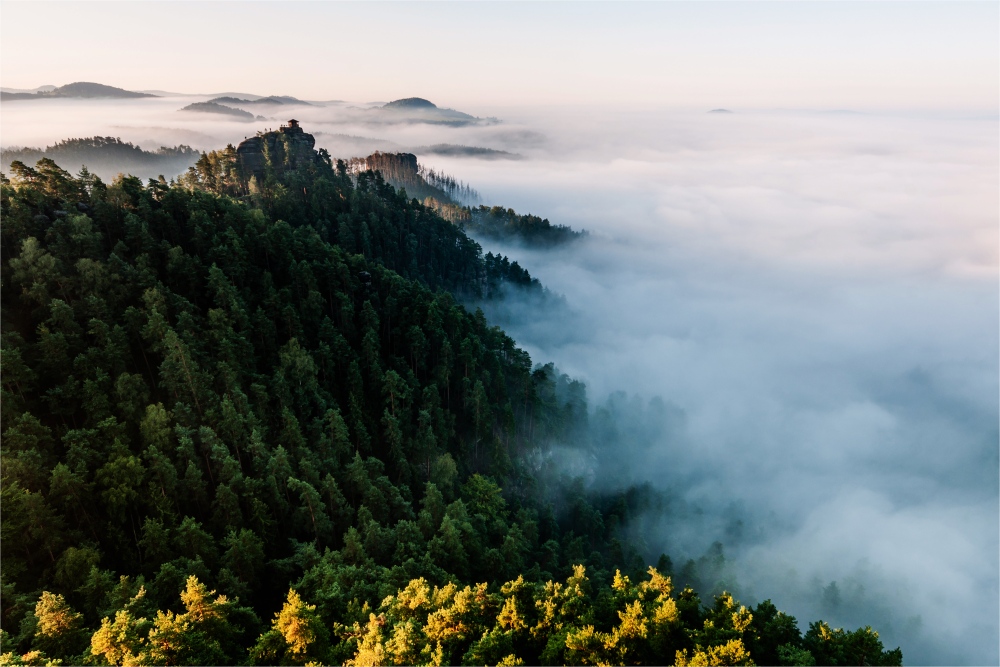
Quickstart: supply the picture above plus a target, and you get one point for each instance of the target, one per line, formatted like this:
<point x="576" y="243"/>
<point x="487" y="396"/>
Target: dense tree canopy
<point x="251" y="423"/>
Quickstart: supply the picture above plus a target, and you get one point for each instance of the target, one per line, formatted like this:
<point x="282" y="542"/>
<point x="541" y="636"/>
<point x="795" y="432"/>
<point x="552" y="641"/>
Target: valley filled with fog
<point x="817" y="294"/>
<point x="812" y="295"/>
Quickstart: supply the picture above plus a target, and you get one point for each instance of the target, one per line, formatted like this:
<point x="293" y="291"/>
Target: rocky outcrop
<point x="401" y="171"/>
<point x="285" y="149"/>
<point x="401" y="167"/>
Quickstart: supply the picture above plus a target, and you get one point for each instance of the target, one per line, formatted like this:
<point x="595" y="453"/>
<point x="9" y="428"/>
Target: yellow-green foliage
<point x="196" y="636"/>
<point x="553" y="621"/>
<point x="421" y="624"/>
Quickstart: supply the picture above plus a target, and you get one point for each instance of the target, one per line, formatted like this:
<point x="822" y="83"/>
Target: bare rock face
<point x="398" y="166"/>
<point x="285" y="149"/>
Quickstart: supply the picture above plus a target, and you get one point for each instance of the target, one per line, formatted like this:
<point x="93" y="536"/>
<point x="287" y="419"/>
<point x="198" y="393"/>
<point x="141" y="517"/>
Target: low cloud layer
<point x="817" y="295"/>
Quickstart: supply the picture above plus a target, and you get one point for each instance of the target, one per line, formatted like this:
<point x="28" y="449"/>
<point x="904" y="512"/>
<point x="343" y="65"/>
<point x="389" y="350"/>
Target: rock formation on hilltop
<point x="287" y="148"/>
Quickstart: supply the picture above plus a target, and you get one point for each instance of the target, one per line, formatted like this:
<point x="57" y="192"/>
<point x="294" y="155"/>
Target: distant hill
<point x="419" y="110"/>
<point x="230" y="100"/>
<point x="88" y="89"/>
<point x="106" y="157"/>
<point x="39" y="89"/>
<point x="285" y="99"/>
<point x="410" y="103"/>
<point x="455" y="150"/>
<point x="720" y="111"/>
<point x="80" y="89"/>
<point x="212" y="107"/>
<point x="272" y="100"/>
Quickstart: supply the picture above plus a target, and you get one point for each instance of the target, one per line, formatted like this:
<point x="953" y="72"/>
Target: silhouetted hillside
<point x="410" y="103"/>
<point x="419" y="110"/>
<point x="212" y="107"/>
<point x="80" y="89"/>
<point x="270" y="100"/>
<point x="106" y="157"/>
<point x="454" y="150"/>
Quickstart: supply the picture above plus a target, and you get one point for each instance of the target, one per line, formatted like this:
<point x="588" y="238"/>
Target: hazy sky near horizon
<point x="893" y="55"/>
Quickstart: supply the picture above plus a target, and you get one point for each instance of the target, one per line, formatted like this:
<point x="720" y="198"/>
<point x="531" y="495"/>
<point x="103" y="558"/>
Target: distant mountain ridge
<point x="410" y="103"/>
<point x="79" y="89"/>
<point x="271" y="99"/>
<point x="213" y="107"/>
<point x="417" y="109"/>
<point x="39" y="89"/>
<point x="456" y="150"/>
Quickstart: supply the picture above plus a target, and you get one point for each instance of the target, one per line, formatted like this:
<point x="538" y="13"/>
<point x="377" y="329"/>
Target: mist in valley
<point x="787" y="323"/>
<point x="801" y="310"/>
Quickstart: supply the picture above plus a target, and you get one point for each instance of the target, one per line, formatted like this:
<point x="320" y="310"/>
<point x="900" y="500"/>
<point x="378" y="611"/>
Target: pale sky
<point x="897" y="55"/>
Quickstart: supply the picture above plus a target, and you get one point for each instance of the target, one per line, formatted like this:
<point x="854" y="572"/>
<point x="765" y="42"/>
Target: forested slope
<point x="249" y="422"/>
<point x="106" y="157"/>
<point x="500" y="224"/>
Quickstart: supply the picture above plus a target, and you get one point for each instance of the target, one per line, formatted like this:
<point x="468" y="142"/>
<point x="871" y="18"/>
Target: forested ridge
<point x="498" y="223"/>
<point x="250" y="423"/>
<point x="456" y="202"/>
<point x="106" y="156"/>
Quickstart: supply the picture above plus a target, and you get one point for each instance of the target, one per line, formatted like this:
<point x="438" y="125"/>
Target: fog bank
<point x="817" y="295"/>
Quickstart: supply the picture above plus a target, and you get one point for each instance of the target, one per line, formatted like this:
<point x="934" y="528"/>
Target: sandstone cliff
<point x="285" y="149"/>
